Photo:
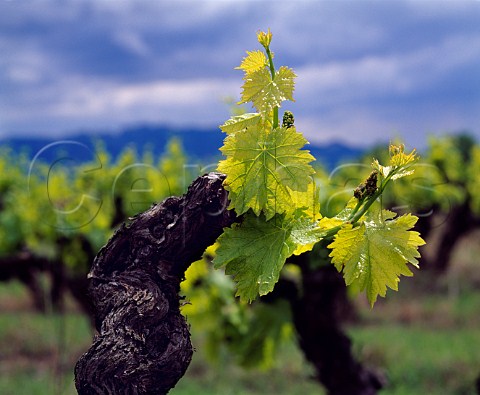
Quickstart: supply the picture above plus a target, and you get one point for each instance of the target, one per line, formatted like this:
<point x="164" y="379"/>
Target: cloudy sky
<point x="368" y="71"/>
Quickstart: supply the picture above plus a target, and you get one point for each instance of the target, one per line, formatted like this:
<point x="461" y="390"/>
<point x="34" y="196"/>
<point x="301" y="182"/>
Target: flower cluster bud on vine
<point x="367" y="188"/>
<point x="288" y="119"/>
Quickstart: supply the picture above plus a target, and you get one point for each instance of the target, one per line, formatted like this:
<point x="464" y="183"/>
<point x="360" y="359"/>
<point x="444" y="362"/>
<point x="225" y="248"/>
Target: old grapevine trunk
<point x="143" y="345"/>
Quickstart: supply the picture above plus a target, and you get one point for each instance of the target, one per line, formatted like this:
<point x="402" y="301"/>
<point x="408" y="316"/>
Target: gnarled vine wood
<point x="143" y="342"/>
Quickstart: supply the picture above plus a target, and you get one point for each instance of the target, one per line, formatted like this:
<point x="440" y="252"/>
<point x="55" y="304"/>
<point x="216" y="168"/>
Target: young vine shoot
<point x="269" y="178"/>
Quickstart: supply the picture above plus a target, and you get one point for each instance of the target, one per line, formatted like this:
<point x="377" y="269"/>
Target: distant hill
<point x="199" y="144"/>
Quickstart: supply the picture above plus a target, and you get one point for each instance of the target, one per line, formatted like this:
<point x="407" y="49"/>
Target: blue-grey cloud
<point x="367" y="70"/>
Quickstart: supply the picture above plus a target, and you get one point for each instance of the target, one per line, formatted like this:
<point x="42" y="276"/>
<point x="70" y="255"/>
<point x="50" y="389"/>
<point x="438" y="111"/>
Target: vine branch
<point x="143" y="342"/>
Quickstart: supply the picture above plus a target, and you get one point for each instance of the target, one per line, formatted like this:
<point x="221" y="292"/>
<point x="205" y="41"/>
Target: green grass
<point x="38" y="352"/>
<point x="291" y="376"/>
<point x="419" y="360"/>
<point x="424" y="342"/>
<point x="425" y="337"/>
<point x="34" y="383"/>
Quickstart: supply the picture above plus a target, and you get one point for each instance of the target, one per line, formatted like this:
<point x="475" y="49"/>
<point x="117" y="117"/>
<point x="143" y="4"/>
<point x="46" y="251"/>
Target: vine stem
<point x="272" y="73"/>
<point x="358" y="213"/>
<point x="362" y="206"/>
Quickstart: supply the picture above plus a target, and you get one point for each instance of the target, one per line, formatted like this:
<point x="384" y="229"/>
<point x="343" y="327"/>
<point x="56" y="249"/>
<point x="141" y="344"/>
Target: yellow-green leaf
<point x="265" y="93"/>
<point x="241" y="122"/>
<point x="254" y="61"/>
<point x="265" y="171"/>
<point x="374" y="254"/>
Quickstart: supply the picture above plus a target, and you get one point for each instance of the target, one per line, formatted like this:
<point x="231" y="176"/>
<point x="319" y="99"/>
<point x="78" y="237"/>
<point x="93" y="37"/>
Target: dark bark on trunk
<point x="143" y="345"/>
<point x="318" y="316"/>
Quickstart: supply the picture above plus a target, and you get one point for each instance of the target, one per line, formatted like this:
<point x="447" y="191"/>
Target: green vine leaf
<point x="266" y="171"/>
<point x="255" y="251"/>
<point x="305" y="233"/>
<point x="241" y="122"/>
<point x="265" y="93"/>
<point x="374" y="254"/>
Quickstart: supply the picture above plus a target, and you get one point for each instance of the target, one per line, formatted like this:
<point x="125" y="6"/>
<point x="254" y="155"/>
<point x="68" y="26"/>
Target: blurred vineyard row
<point x="55" y="216"/>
